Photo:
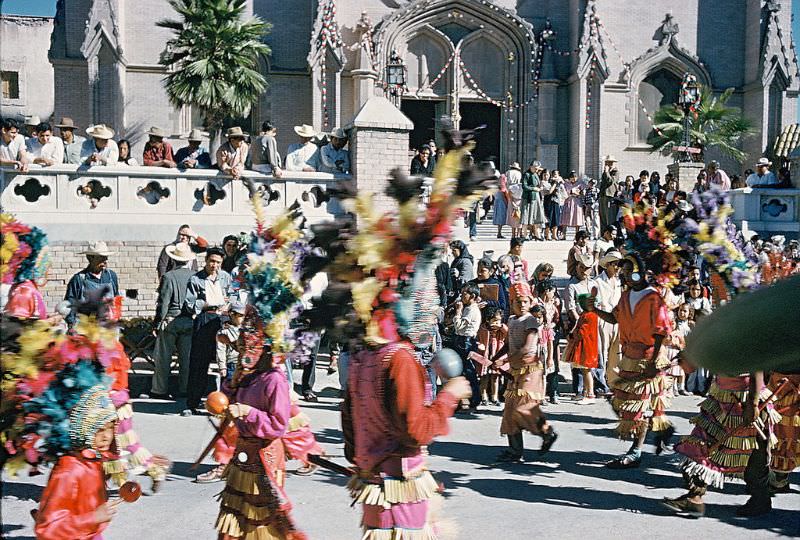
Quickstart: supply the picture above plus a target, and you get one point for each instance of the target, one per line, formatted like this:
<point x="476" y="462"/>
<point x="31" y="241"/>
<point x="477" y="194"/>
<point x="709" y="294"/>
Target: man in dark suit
<point x="172" y="324"/>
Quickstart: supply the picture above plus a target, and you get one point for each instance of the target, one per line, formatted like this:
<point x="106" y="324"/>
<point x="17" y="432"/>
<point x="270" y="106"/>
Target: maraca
<point x="130" y="492"/>
<point x="217" y="403"/>
<point x="447" y="364"/>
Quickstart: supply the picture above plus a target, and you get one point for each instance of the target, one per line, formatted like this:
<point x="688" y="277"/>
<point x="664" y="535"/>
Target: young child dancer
<point x="547" y="298"/>
<point x="676" y="343"/>
<point x="492" y="337"/>
<point x="524" y="395"/>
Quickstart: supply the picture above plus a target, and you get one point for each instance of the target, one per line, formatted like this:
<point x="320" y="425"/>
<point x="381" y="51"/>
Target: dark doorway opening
<point x="476" y="114"/>
<point x="423" y="114"/>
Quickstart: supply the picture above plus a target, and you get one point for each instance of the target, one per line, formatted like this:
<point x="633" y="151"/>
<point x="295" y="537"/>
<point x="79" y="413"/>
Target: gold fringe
<point x="243" y="508"/>
<point x="707" y="475"/>
<point x="140" y="457"/>
<point x="297" y="422"/>
<point x="393" y="491"/>
<point x="526" y="369"/>
<point x="242" y="481"/>
<point x="426" y="533"/>
<point x="789" y="421"/>
<point x="519" y="392"/>
<point x="228" y="523"/>
<point x="124" y="440"/>
<point x="628" y="428"/>
<point x="783" y="464"/>
<point x="660" y="423"/>
<point x="125" y="411"/>
<point x="117" y="470"/>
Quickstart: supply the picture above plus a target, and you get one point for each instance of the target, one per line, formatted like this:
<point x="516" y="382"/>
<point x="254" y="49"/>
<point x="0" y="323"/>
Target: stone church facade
<point x="564" y="81"/>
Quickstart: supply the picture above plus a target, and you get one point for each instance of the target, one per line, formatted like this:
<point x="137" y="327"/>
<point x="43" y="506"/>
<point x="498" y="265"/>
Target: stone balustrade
<point x="767" y="211"/>
<point x="124" y="203"/>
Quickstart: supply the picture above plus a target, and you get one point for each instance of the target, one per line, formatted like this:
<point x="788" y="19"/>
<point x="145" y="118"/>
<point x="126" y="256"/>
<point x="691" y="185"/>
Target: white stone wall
<point x="24" y="42"/>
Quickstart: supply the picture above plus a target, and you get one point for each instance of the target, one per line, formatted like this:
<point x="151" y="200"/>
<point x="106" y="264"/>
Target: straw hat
<point x="235" y="131"/>
<point x="99" y="248"/>
<point x="305" y="131"/>
<point x="195" y="135"/>
<point x="180" y="252"/>
<point x="66" y="123"/>
<point x="585" y="259"/>
<point x="338" y="133"/>
<point x="100" y="131"/>
<point x="609" y="159"/>
<point x="156" y="131"/>
<point x="515" y="165"/>
<point x="611" y="256"/>
<point x="32" y="120"/>
<point x="763" y="162"/>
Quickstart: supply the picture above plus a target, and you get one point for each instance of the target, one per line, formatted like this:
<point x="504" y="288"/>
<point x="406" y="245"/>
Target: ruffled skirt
<point x="786" y="454"/>
<point x="640" y="401"/>
<point x="713" y="451"/>
<point x="523" y="397"/>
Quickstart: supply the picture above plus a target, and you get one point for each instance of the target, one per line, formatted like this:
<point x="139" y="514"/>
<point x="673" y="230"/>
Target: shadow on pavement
<point x="6" y="529"/>
<point x="22" y="491"/>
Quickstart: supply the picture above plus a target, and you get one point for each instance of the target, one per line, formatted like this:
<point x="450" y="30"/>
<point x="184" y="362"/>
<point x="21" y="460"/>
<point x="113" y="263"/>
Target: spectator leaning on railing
<point x="157" y="152"/>
<point x="12" y="146"/>
<point x="45" y="149"/>
<point x="72" y="142"/>
<point x="193" y="156"/>
<point x="232" y="155"/>
<point x="100" y="149"/>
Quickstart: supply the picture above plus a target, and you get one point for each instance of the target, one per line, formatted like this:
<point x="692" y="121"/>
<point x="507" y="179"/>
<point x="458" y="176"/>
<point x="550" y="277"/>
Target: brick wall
<point x="134" y="263"/>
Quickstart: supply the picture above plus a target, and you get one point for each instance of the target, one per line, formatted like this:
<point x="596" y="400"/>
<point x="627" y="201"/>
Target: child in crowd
<point x="466" y="322"/>
<point x="492" y="337"/>
<point x="526" y="392"/>
<point x="228" y="335"/>
<point x="676" y="343"/>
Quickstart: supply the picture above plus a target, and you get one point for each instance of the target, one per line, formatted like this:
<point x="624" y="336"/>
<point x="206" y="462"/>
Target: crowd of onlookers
<point x="36" y="143"/>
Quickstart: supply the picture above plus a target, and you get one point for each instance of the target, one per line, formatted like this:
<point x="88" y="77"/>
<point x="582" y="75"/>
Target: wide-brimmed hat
<point x="714" y="163"/>
<point x="609" y="159"/>
<point x="536" y="164"/>
<point x="515" y="165"/>
<point x="32" y="120"/>
<point x="612" y="255"/>
<point x="304" y="130"/>
<point x="684" y="205"/>
<point x="235" y="131"/>
<point x="763" y="162"/>
<point x="100" y="131"/>
<point x="585" y="259"/>
<point x="339" y="133"/>
<point x="66" y="123"/>
<point x="239" y="307"/>
<point x="195" y="135"/>
<point x="180" y="252"/>
<point x="156" y="131"/>
<point x="99" y="248"/>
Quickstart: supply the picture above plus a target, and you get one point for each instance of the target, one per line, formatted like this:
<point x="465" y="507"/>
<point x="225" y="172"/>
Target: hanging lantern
<point x="395" y="71"/>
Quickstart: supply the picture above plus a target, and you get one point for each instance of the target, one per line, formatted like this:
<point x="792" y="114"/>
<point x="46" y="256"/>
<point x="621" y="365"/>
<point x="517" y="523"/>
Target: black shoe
<point x="554" y="400"/>
<point x="310" y="397"/>
<point x="165" y="397"/>
<point x="754" y="507"/>
<point x="508" y="456"/>
<point x="547" y="441"/>
<point x="684" y="507"/>
<point x="627" y="461"/>
<point x="662" y="441"/>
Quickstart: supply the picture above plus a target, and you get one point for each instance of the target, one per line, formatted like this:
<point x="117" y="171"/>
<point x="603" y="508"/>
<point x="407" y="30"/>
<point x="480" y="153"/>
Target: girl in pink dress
<point x="572" y="212"/>
<point x="492" y="337"/>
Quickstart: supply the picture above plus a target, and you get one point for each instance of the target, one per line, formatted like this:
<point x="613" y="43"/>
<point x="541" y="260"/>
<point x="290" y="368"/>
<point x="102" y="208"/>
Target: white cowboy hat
<point x="97" y="248"/>
<point x="305" y="131"/>
<point x="156" y="131"/>
<point x="514" y="165"/>
<point x="195" y="135"/>
<point x="609" y="159"/>
<point x="33" y="120"/>
<point x="612" y="255"/>
<point x="684" y="206"/>
<point x="100" y="131"/>
<point x="763" y="162"/>
<point x="339" y="133"/>
<point x="235" y="131"/>
<point x="180" y="252"/>
<point x="585" y="259"/>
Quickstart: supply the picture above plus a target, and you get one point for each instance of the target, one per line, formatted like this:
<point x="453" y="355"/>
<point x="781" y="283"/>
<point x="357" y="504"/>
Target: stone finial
<point x="772" y="6"/>
<point x="669" y="28"/>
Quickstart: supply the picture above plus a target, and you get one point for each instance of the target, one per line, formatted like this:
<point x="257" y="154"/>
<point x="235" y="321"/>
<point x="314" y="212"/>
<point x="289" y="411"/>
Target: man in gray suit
<point x="172" y="323"/>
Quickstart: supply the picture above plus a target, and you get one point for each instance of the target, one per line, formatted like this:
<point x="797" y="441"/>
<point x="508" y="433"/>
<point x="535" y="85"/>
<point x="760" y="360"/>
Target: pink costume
<point x="385" y="422"/>
<point x="572" y="213"/>
<point x="26" y="302"/>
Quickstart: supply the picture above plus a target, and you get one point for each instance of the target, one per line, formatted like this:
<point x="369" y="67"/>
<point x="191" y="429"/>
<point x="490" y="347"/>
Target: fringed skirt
<point x="139" y="458"/>
<point x="719" y="446"/>
<point x="249" y="508"/>
<point x="639" y="400"/>
<point x="523" y="397"/>
<point x="396" y="503"/>
<point x="786" y="454"/>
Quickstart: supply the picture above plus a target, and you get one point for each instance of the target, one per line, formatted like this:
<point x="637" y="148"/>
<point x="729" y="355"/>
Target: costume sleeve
<point x="56" y="518"/>
<point x="406" y="390"/>
<point x="659" y="316"/>
<point x="271" y="424"/>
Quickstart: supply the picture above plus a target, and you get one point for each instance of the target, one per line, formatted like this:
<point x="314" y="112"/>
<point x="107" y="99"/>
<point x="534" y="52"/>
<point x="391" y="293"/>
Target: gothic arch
<point x="421" y="42"/>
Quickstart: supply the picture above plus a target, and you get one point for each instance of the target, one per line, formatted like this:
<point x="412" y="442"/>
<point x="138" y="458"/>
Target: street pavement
<point x="567" y="494"/>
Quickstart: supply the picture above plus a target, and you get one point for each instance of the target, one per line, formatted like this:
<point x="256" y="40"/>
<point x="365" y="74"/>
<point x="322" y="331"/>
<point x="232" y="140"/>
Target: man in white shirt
<point x="100" y="149"/>
<point x="12" y="146"/>
<point x="466" y="323"/>
<point x="45" y="149"/>
<point x="303" y="156"/>
<point x="763" y="177"/>
<point x="334" y="158"/>
<point x="718" y="177"/>
<point x="581" y="283"/>
<point x="605" y="242"/>
<point x="609" y="291"/>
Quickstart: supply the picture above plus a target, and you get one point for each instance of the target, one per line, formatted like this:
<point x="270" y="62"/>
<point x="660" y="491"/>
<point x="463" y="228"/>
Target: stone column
<point x="685" y="173"/>
<point x="378" y="144"/>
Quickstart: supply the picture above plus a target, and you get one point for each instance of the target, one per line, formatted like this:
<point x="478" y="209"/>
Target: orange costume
<point x="639" y="393"/>
<point x="76" y="489"/>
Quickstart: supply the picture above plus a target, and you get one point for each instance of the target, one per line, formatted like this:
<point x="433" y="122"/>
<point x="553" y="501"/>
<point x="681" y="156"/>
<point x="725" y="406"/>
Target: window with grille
<point x="10" y="84"/>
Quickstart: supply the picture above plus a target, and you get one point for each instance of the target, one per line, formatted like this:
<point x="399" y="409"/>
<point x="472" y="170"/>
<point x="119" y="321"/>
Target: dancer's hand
<point x="105" y="513"/>
<point x="237" y="410"/>
<point x="458" y="387"/>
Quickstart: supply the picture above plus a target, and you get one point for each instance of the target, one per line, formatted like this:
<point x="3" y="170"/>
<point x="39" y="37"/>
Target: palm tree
<point x="715" y="126"/>
<point x="213" y="59"/>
